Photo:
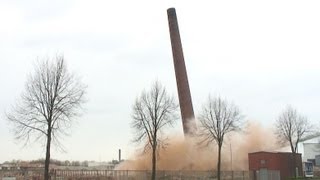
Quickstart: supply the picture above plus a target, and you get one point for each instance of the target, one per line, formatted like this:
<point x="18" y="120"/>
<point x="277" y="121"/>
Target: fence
<point x="122" y="175"/>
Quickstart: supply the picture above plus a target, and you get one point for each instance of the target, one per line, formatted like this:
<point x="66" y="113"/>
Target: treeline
<point x="52" y="162"/>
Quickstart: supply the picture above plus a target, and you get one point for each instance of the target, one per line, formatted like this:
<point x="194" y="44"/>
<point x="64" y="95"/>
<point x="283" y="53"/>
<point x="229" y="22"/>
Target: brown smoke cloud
<point x="255" y="138"/>
<point x="186" y="154"/>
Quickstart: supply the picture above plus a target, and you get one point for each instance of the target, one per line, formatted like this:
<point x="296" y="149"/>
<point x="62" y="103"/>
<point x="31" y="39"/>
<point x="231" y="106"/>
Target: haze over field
<point x="260" y="55"/>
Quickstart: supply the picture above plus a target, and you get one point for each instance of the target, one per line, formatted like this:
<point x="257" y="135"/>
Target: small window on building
<point x="262" y="162"/>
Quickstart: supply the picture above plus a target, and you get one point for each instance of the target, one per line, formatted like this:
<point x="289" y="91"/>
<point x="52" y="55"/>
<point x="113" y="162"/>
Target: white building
<point x="309" y="147"/>
<point x="101" y="165"/>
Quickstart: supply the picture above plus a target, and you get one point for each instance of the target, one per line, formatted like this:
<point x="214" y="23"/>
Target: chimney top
<point x="171" y="11"/>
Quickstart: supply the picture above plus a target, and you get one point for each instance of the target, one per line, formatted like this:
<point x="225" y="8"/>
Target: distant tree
<point x="84" y="163"/>
<point x="152" y="112"/>
<point x="67" y="163"/>
<point x="291" y="128"/>
<point x="218" y="118"/>
<point x="75" y="163"/>
<point x="38" y="161"/>
<point x="51" y="100"/>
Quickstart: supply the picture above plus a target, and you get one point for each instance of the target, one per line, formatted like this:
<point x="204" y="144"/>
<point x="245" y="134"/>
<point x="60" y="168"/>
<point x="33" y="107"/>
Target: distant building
<point x="101" y="165"/>
<point x="9" y="166"/>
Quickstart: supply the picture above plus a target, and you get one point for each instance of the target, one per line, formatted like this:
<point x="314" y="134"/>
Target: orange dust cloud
<point x="186" y="154"/>
<point x="254" y="138"/>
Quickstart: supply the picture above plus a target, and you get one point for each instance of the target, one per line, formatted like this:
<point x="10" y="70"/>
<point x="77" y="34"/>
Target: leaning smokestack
<point x="187" y="114"/>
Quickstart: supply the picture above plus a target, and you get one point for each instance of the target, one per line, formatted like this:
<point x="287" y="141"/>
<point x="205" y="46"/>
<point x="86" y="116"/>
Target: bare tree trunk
<point x="294" y="164"/>
<point x="153" y="176"/>
<point x="291" y="145"/>
<point x="219" y="162"/>
<point x="47" y="161"/>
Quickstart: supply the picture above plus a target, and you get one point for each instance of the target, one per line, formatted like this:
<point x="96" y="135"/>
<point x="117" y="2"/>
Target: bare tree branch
<point x="291" y="128"/>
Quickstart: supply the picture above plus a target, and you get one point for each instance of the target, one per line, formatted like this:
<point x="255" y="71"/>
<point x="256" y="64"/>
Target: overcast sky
<point x="262" y="55"/>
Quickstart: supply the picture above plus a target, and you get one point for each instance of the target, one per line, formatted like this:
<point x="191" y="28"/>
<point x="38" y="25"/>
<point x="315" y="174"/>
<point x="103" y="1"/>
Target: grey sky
<point x="260" y="55"/>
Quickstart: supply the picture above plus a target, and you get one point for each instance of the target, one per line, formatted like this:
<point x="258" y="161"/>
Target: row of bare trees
<point x="155" y="109"/>
<point x="53" y="97"/>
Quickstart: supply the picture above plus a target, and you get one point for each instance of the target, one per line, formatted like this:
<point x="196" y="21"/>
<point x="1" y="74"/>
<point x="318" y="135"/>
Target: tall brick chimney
<point x="187" y="114"/>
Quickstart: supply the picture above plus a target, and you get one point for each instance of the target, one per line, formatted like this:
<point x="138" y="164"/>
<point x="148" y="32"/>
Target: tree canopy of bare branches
<point x="218" y="118"/>
<point x="52" y="98"/>
<point x="291" y="128"/>
<point x="152" y="111"/>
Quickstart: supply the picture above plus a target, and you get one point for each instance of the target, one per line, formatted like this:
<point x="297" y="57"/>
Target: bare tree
<point x="152" y="111"/>
<point x="291" y="128"/>
<point x="218" y="118"/>
<point x="52" y="98"/>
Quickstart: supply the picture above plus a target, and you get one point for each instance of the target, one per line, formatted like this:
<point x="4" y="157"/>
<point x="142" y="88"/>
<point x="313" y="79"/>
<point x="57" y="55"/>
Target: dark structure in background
<point x="187" y="114"/>
<point x="275" y="165"/>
